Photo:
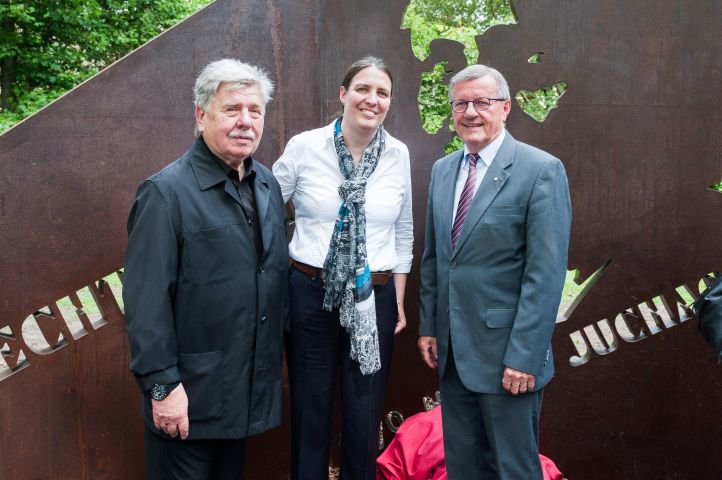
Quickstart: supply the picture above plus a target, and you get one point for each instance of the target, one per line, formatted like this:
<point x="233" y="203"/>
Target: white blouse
<point x="309" y="174"/>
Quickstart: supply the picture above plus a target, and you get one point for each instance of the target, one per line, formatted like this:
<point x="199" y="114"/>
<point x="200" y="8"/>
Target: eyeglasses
<point x="481" y="104"/>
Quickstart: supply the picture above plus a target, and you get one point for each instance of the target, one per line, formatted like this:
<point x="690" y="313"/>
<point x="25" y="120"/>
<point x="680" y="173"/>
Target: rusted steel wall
<point x="638" y="131"/>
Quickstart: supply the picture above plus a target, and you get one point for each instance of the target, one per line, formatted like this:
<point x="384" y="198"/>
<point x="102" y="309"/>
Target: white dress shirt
<point x="309" y="174"/>
<point x="486" y="155"/>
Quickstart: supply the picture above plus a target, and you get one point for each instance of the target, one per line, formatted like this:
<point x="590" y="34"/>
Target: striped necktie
<point x="467" y="195"/>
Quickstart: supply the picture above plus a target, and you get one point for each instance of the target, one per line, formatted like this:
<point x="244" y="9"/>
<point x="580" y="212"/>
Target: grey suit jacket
<point x="495" y="297"/>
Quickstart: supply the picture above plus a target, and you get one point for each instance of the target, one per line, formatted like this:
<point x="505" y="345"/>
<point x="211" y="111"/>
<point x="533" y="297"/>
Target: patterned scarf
<point x="347" y="278"/>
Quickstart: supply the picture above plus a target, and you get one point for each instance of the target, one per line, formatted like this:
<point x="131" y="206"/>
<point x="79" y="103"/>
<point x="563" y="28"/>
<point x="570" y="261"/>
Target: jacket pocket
<point x="210" y="255"/>
<point x="500" y="317"/>
<point x="506" y="210"/>
<point x="202" y="378"/>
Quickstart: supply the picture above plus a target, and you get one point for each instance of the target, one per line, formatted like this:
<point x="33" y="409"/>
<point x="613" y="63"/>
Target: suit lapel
<point x="447" y="182"/>
<point x="208" y="172"/>
<point x="232" y="191"/>
<point x="496" y="176"/>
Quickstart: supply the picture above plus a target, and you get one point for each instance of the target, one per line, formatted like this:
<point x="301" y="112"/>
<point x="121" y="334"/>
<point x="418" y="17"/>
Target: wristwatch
<point x="159" y="392"/>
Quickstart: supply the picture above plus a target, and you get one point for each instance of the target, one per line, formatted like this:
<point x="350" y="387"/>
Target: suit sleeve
<point x="547" y="243"/>
<point x="428" y="290"/>
<point x="285" y="295"/>
<point x="150" y="276"/>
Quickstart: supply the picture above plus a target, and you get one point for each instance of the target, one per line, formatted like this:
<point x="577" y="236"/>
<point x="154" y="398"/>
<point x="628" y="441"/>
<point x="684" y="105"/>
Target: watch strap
<point x="161" y="391"/>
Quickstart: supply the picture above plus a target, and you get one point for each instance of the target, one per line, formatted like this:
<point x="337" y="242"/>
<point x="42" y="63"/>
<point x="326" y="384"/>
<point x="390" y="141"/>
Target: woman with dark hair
<point x="350" y="184"/>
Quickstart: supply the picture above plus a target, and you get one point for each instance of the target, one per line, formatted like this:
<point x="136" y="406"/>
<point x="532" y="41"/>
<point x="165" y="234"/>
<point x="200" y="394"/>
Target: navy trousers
<point x="317" y="349"/>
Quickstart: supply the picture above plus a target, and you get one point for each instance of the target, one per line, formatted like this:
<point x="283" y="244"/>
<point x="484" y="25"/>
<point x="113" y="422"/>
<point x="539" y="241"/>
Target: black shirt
<point x="244" y="187"/>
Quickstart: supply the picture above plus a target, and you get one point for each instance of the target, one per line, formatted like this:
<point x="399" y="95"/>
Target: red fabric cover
<point x="549" y="469"/>
<point x="417" y="452"/>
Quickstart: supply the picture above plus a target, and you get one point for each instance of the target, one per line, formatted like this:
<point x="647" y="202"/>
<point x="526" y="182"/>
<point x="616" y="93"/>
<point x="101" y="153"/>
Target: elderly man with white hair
<point x="205" y="286"/>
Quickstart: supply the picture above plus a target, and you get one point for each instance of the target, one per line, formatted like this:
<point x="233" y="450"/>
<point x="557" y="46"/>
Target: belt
<point x="377" y="278"/>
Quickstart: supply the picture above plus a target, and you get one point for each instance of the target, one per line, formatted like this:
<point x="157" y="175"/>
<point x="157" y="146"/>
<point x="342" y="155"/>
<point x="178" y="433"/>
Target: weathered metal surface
<point x="638" y="131"/>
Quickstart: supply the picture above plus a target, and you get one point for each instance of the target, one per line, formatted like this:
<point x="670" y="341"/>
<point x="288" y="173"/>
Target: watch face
<point x="159" y="392"/>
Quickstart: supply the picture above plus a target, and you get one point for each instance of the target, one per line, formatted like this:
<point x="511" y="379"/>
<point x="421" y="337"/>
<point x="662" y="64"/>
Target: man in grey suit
<point x="492" y="273"/>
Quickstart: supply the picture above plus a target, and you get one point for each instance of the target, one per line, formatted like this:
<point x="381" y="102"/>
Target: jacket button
<point x="260" y="270"/>
<point x="453" y="265"/>
<point x="263" y="319"/>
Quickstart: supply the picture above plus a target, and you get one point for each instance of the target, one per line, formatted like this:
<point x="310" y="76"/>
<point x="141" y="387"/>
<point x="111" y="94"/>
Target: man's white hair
<point x="472" y="72"/>
<point x="231" y="74"/>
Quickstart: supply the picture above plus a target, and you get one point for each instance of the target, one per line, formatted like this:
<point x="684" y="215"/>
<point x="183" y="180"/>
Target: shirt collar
<point x="487" y="153"/>
<point x="329" y="133"/>
<point x="247" y="164"/>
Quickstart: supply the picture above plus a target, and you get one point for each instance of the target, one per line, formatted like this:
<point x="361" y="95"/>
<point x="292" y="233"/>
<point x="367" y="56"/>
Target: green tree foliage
<point x="538" y="103"/>
<point x="433" y="99"/>
<point x="462" y="21"/>
<point x="49" y="46"/>
<point x="459" y="20"/>
<point x="434" y="104"/>
<point x="456" y="20"/>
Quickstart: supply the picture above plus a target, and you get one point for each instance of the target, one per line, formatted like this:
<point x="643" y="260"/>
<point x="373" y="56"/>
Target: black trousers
<point x="174" y="459"/>
<point x="489" y="436"/>
<point x="318" y="347"/>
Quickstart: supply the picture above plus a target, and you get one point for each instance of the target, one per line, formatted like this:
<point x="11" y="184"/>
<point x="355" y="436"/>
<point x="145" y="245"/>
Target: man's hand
<point x="170" y="415"/>
<point x="427" y="347"/>
<point x="516" y="382"/>
<point x="400" y="320"/>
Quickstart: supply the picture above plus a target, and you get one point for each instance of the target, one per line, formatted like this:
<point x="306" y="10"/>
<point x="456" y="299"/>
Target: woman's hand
<point x="400" y="286"/>
<point x="400" y="319"/>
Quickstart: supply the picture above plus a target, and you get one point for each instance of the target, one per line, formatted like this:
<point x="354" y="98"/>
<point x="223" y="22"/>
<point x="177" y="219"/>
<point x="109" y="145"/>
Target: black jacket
<point x="708" y="308"/>
<point x="200" y="306"/>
